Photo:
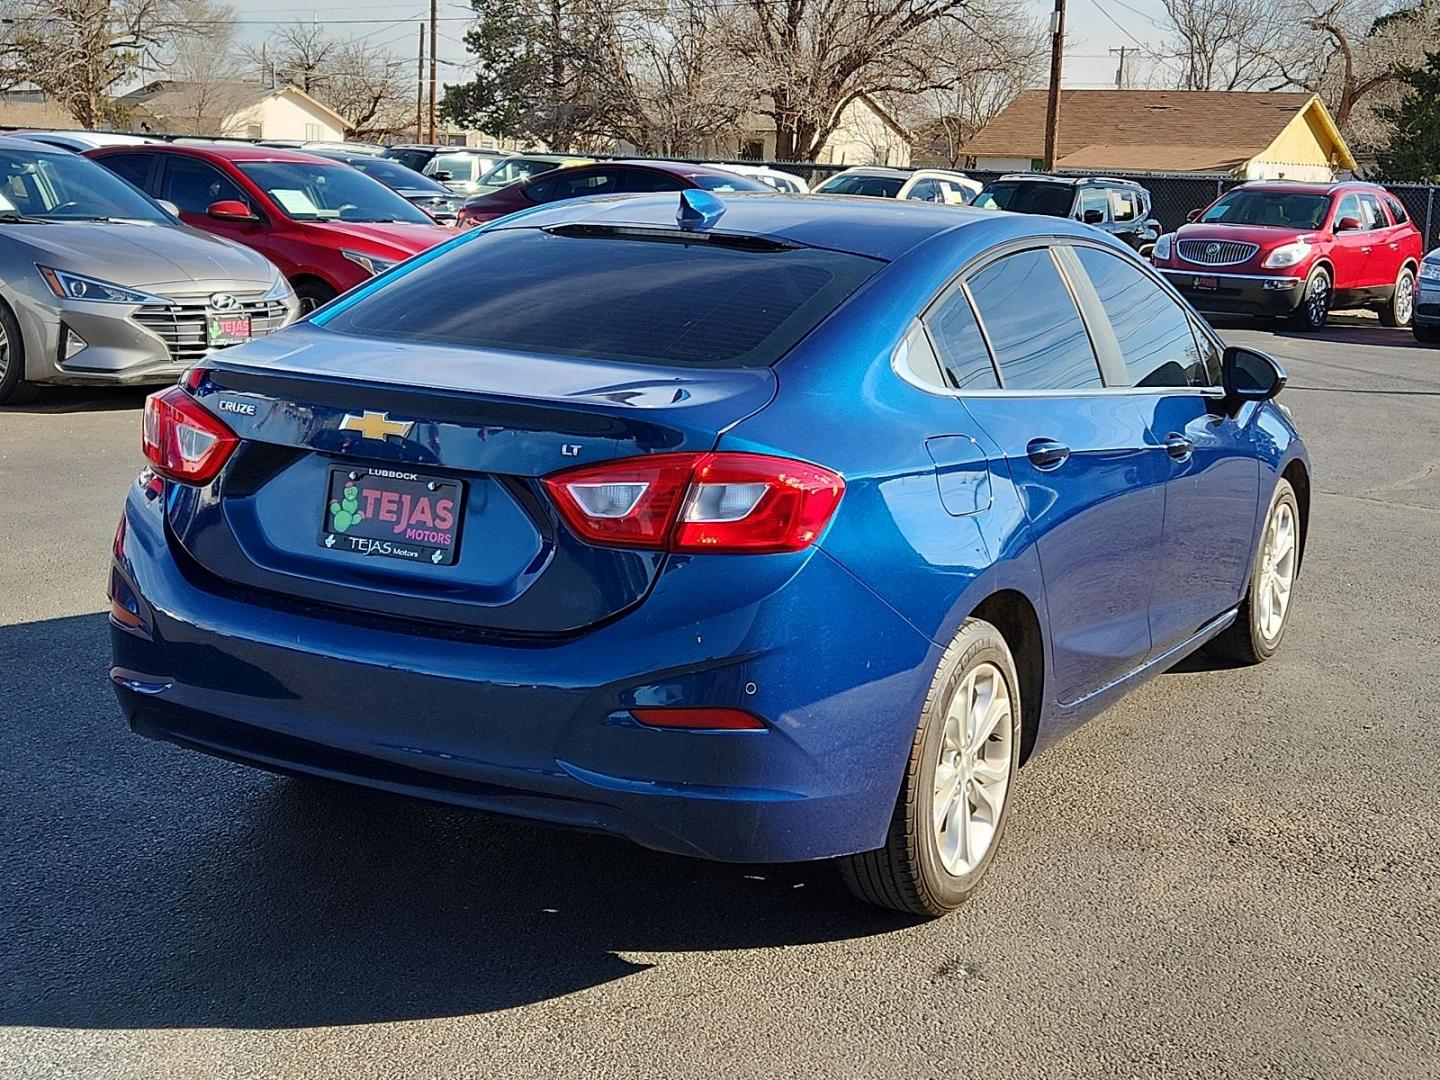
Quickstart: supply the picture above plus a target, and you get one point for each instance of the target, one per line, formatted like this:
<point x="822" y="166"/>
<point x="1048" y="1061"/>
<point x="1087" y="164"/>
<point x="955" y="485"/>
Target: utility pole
<point x="420" y="88"/>
<point x="433" y="20"/>
<point x="1120" y="71"/>
<point x="1057" y="56"/>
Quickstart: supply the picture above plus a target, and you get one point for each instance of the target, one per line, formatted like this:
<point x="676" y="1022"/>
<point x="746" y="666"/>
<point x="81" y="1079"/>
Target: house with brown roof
<point x="1244" y="134"/>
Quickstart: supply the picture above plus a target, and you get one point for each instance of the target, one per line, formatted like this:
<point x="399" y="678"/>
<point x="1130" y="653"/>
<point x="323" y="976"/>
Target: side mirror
<point x="1347" y="224"/>
<point x="169" y="207"/>
<point x="1251" y="375"/>
<point x="230" y="210"/>
<point x="442" y="176"/>
<point x="1093" y="217"/>
<point x="1193" y="214"/>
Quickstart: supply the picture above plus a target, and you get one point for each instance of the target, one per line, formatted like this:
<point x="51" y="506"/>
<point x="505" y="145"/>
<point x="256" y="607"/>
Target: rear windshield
<point x="625" y="297"/>
<point x="1028" y="197"/>
<point x="884" y="187"/>
<point x="1285" y="209"/>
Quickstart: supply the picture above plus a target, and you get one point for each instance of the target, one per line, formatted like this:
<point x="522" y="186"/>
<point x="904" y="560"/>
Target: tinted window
<point x="612" y="295"/>
<point x="926" y="191"/>
<point x="1028" y="197"/>
<point x="132" y="167"/>
<point x="193" y="185"/>
<point x="510" y="170"/>
<point x="883" y="187"/>
<point x="1153" y="331"/>
<point x="413" y="159"/>
<point x="1397" y="210"/>
<point x="727" y="182"/>
<point x="641" y="180"/>
<point x="393" y="174"/>
<point x="1033" y="325"/>
<point x="961" y="348"/>
<point x="575" y="184"/>
<point x="1256" y="206"/>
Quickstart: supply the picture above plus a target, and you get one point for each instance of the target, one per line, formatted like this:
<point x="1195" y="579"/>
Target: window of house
<point x="314" y="133"/>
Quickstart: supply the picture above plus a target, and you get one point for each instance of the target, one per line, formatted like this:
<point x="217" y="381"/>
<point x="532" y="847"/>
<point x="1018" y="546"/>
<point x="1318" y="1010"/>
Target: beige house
<point x="1249" y="135"/>
<point x="866" y="135"/>
<point x="237" y="109"/>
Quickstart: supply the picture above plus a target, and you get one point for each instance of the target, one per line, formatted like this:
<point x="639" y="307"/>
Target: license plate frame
<point x="1205" y="282"/>
<point x="371" y="525"/>
<point x="224" y="328"/>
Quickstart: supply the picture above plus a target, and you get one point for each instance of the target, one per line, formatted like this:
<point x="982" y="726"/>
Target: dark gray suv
<point x="1120" y="207"/>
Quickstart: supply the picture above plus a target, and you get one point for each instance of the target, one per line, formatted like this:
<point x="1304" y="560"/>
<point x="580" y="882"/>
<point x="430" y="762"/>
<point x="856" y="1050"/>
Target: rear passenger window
<point x="1397" y="210"/>
<point x="1124" y="205"/>
<point x="958" y="342"/>
<point x="1033" y="325"/>
<point x="1153" y="331"/>
<point x="132" y="167"/>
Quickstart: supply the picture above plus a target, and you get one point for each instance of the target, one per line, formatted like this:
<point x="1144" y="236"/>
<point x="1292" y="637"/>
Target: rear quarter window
<point x="611" y="295"/>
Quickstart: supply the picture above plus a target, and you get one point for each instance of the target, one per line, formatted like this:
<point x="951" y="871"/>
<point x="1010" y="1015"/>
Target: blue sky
<point x="1094" y="27"/>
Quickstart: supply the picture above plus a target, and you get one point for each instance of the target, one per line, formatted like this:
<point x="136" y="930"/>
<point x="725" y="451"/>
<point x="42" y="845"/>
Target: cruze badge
<point x="376" y="425"/>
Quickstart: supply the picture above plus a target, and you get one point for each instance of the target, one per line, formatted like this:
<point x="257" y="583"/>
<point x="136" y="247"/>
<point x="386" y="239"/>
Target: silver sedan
<point x="101" y="285"/>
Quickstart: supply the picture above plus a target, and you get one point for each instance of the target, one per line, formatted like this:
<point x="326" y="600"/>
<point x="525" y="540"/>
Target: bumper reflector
<point x="699" y="719"/>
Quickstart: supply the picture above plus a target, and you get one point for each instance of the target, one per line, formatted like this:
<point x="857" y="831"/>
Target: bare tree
<point x="1223" y="44"/>
<point x="1354" y="53"/>
<point x="367" y="85"/>
<point x="976" y="74"/>
<point x="806" y="60"/>
<point x="78" y="50"/>
<point x="207" y="83"/>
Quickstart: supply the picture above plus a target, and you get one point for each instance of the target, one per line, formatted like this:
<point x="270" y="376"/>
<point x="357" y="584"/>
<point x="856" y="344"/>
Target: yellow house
<point x="1251" y="135"/>
<point x="235" y="109"/>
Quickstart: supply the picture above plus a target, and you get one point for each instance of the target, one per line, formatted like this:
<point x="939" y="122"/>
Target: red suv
<point x="327" y="226"/>
<point x="1299" y="250"/>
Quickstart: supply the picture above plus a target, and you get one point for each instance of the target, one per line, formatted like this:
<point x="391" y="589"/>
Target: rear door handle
<point x="1046" y="453"/>
<point x="1178" y="446"/>
<point x="1365" y="250"/>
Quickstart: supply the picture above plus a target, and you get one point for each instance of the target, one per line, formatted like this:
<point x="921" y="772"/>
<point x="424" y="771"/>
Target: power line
<point x="1097" y="6"/>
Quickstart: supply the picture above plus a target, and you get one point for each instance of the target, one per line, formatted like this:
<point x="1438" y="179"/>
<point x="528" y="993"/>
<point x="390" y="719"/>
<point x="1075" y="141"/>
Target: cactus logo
<point x="345" y="511"/>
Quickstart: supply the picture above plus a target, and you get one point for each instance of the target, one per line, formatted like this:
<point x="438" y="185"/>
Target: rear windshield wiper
<point x="673" y="236"/>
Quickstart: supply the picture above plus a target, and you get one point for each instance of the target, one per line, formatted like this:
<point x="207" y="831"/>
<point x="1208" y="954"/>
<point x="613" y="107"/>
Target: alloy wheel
<point x="1318" y="302"/>
<point x="1404" y="299"/>
<point x="972" y="775"/>
<point x="4" y="352"/>
<point x="1277" y="571"/>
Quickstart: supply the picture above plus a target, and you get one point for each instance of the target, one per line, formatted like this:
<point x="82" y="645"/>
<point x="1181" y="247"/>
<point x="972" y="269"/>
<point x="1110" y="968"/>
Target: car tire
<point x="312" y="293"/>
<point x="1257" y="632"/>
<point x="955" y="797"/>
<point x="1426" y="335"/>
<point x="1400" y="308"/>
<point x="1314" y="309"/>
<point x="13" y="388"/>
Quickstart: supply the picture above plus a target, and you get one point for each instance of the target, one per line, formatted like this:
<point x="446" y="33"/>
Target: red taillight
<point x="699" y="719"/>
<point x="183" y="441"/>
<point x="715" y="502"/>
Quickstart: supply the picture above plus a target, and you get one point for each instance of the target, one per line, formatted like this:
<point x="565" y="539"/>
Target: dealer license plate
<point x="392" y="514"/>
<point x="223" y="330"/>
<point x="1206" y="282"/>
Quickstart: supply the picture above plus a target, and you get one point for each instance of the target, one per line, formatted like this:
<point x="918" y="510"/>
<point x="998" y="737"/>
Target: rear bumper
<point x="543" y="731"/>
<point x="1251" y="294"/>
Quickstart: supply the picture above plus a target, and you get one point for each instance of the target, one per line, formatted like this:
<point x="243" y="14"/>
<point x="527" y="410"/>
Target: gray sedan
<point x="100" y="285"/>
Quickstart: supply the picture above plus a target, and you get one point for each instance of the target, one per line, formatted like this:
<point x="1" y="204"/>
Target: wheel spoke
<point x="990" y="797"/>
<point x="996" y="711"/>
<point x="945" y="791"/>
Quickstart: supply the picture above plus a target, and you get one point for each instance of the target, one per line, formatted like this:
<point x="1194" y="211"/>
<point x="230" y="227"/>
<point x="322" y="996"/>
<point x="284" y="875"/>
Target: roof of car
<point x="881" y="228"/>
<point x="1070" y="180"/>
<point x="227" y="151"/>
<point x="870" y="170"/>
<point x="1312" y="187"/>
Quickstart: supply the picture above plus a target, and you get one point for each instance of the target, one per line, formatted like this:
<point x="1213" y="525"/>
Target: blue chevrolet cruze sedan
<point x="760" y="528"/>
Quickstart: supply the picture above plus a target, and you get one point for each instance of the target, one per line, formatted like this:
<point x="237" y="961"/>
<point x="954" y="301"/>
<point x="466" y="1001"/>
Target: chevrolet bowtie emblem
<point x="376" y="425"/>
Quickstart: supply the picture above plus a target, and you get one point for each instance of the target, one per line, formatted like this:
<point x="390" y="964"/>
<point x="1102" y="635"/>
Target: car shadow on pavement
<point x="147" y="886"/>
<point x="52" y="400"/>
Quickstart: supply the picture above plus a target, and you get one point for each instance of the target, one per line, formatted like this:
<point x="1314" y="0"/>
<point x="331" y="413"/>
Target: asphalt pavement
<point x="1232" y="873"/>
